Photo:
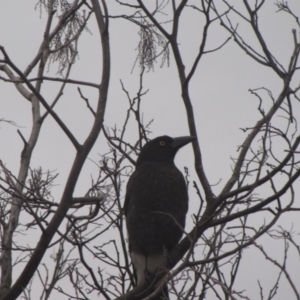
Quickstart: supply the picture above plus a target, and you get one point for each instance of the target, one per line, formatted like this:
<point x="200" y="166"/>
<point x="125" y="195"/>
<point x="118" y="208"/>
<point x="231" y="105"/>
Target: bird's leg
<point x="153" y="275"/>
<point x="147" y="265"/>
<point x="154" y="264"/>
<point x="139" y="262"/>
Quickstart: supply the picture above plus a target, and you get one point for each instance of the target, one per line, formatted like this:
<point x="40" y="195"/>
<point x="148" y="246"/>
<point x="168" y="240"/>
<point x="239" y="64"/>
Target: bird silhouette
<point x="155" y="207"/>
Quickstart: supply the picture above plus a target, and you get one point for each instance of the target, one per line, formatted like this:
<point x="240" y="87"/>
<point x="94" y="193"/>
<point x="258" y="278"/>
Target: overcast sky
<point x="219" y="90"/>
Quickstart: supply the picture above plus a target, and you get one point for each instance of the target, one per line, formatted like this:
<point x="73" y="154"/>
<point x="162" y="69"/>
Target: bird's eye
<point x="162" y="143"/>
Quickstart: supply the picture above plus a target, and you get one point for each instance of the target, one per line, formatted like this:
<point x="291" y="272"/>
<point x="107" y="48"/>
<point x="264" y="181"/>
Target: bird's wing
<point x="128" y="191"/>
<point x="126" y="203"/>
<point x="127" y="197"/>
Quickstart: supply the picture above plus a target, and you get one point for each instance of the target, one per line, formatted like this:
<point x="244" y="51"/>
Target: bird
<point x="155" y="207"/>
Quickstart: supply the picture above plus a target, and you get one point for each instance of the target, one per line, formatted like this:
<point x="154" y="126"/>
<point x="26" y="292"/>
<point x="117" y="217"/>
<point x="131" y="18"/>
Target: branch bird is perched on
<point x="156" y="204"/>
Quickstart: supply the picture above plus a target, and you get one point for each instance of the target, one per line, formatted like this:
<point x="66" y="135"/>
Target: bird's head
<point x="162" y="149"/>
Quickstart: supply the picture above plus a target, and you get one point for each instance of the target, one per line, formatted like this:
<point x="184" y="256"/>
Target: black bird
<point x="155" y="207"/>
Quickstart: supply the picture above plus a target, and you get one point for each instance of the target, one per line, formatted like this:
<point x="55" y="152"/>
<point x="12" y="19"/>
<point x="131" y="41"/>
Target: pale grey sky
<point x="221" y="100"/>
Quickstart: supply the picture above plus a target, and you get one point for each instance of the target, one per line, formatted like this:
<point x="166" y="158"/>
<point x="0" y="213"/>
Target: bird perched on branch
<point x="155" y="207"/>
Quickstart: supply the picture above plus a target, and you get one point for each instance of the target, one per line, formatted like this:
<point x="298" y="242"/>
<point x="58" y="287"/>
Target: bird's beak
<point x="182" y="141"/>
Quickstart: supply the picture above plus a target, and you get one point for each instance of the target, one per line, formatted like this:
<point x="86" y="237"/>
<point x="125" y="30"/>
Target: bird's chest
<point x="160" y="189"/>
